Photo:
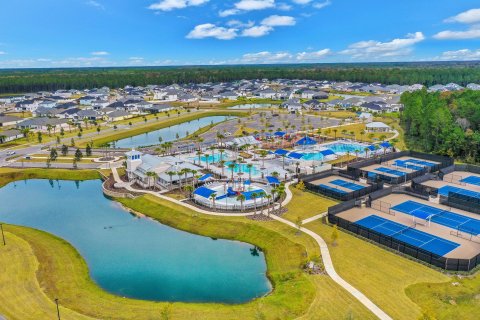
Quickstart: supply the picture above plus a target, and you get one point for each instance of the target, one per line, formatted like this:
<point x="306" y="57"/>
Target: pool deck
<point x="467" y="249"/>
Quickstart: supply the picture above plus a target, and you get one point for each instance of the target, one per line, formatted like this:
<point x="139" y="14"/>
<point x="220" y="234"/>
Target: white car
<point x="10" y="153"/>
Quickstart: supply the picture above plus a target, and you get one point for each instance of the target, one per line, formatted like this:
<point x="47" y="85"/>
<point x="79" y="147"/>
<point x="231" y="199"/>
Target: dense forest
<point x="427" y="73"/>
<point x="443" y="123"/>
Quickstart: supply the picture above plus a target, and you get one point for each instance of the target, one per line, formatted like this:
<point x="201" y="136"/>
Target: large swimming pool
<point x="243" y="167"/>
<point x="136" y="257"/>
<point x="345" y="147"/>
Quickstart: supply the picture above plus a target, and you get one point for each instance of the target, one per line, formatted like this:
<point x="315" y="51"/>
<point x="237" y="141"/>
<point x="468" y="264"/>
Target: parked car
<point x="10" y="153"/>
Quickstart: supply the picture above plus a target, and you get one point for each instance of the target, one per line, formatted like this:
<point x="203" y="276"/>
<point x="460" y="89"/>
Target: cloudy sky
<point x="76" y="33"/>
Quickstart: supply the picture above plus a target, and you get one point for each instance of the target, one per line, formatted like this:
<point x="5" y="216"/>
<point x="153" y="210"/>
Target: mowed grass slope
<point x="458" y="298"/>
<point x="381" y="275"/>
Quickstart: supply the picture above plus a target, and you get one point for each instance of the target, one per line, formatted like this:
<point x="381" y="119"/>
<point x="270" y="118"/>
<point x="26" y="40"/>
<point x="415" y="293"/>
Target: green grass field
<point x="36" y="267"/>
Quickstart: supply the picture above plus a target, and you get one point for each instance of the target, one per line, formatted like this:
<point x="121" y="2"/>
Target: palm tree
<point x="254" y="196"/>
<point x="186" y="171"/>
<point x="213" y="197"/>
<point x="180" y="174"/>
<point x="269" y="199"/>
<point x="222" y="165"/>
<point x="273" y="192"/>
<point x="362" y="133"/>
<point x="189" y="190"/>
<point x="280" y="192"/>
<point x="171" y="174"/>
<point x="241" y="198"/>
<point x="249" y="167"/>
<point x="263" y="154"/>
<point x="199" y="154"/>
<point x="207" y="156"/>
<point x="262" y="195"/>
<point x="221" y="153"/>
<point x="150" y="175"/>
<point x="231" y="166"/>
<point x="356" y="153"/>
<point x="283" y="161"/>
<point x="194" y="174"/>
<point x="26" y="133"/>
<point x="366" y="152"/>
<point x="335" y="134"/>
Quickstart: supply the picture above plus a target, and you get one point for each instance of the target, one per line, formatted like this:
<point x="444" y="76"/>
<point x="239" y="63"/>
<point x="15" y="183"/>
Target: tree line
<point x="33" y="80"/>
<point x="443" y="123"/>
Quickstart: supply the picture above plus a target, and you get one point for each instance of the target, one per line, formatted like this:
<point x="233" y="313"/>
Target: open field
<point x="381" y="275"/>
<point x="306" y="205"/>
<point x="10" y="174"/>
<point x="458" y="298"/>
<point x="356" y="128"/>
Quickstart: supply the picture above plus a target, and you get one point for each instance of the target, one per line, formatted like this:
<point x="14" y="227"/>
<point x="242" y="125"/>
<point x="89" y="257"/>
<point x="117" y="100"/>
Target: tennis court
<point x="444" y="217"/>
<point x="346" y="184"/>
<point x="472" y="180"/>
<point x="331" y="189"/>
<point x="407" y="164"/>
<point x="444" y="191"/>
<point x="391" y="171"/>
<point x="408" y="235"/>
<point x="421" y="162"/>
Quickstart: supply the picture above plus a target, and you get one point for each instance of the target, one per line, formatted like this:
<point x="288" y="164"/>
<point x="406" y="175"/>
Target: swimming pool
<point x="345" y="147"/>
<point x="243" y="167"/>
<point x="313" y="156"/>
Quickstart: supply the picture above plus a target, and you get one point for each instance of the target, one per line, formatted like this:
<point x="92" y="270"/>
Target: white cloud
<point x="256" y="31"/>
<point x="100" y="53"/>
<point x="315" y="55"/>
<point x="469" y="16"/>
<point x="375" y="49"/>
<point x="95" y="4"/>
<point x="209" y="30"/>
<point x="472" y="33"/>
<point x="236" y="28"/>
<point x="168" y="5"/>
<point x="302" y="1"/>
<point x="277" y="21"/>
<point x="284" y="6"/>
<point x="2" y="53"/>
<point x="247" y="5"/>
<point x="321" y="5"/>
<point x="266" y="57"/>
<point x="463" y="54"/>
<point x="282" y="57"/>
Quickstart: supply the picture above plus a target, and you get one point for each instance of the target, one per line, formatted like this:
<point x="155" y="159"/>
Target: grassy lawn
<point x="306" y="204"/>
<point x="381" y="275"/>
<point x="12" y="174"/>
<point x="356" y="128"/>
<point x="341" y="114"/>
<point x="341" y="160"/>
<point x="455" y="299"/>
<point x="26" y="114"/>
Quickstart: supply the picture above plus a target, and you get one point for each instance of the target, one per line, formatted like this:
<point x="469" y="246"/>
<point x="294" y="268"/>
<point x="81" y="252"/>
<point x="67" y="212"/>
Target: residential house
<point x="6" y="120"/>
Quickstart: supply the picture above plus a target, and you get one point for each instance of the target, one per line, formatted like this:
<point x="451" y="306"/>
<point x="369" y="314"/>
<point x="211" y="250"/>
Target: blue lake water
<point x="169" y="133"/>
<point x="136" y="257"/>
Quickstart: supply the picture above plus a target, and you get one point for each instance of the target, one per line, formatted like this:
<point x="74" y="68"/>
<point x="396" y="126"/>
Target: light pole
<point x="58" y="310"/>
<point x="3" y="236"/>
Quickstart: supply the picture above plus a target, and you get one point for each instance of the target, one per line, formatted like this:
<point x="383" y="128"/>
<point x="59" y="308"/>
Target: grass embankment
<point x="228" y="104"/>
<point x="381" y="275"/>
<point x="8" y="175"/>
<point x="122" y="134"/>
<point x="62" y="273"/>
<point x="305" y="205"/>
<point x="455" y="299"/>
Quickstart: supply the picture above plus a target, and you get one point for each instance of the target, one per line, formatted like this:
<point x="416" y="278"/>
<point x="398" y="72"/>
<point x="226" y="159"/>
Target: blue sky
<point x="76" y="33"/>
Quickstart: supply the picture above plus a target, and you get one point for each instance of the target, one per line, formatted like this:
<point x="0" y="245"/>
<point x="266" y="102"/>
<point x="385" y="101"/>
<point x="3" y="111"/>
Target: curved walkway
<point x="325" y="253"/>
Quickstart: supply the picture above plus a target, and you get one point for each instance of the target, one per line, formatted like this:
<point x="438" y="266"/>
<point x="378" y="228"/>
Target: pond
<point x="136" y="257"/>
<point x="172" y="133"/>
<point x="252" y="106"/>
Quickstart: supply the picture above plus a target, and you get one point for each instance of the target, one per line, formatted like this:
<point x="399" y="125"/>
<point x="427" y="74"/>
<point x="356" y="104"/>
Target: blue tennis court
<point x="444" y="191"/>
<point x="391" y="171"/>
<point x="346" y="184"/>
<point x="408" y="235"/>
<point x="408" y="165"/>
<point x="421" y="162"/>
<point x="443" y="217"/>
<point x="334" y="190"/>
<point x="472" y="180"/>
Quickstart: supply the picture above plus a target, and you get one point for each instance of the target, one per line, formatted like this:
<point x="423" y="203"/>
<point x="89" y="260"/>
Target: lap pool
<point x="136" y="257"/>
